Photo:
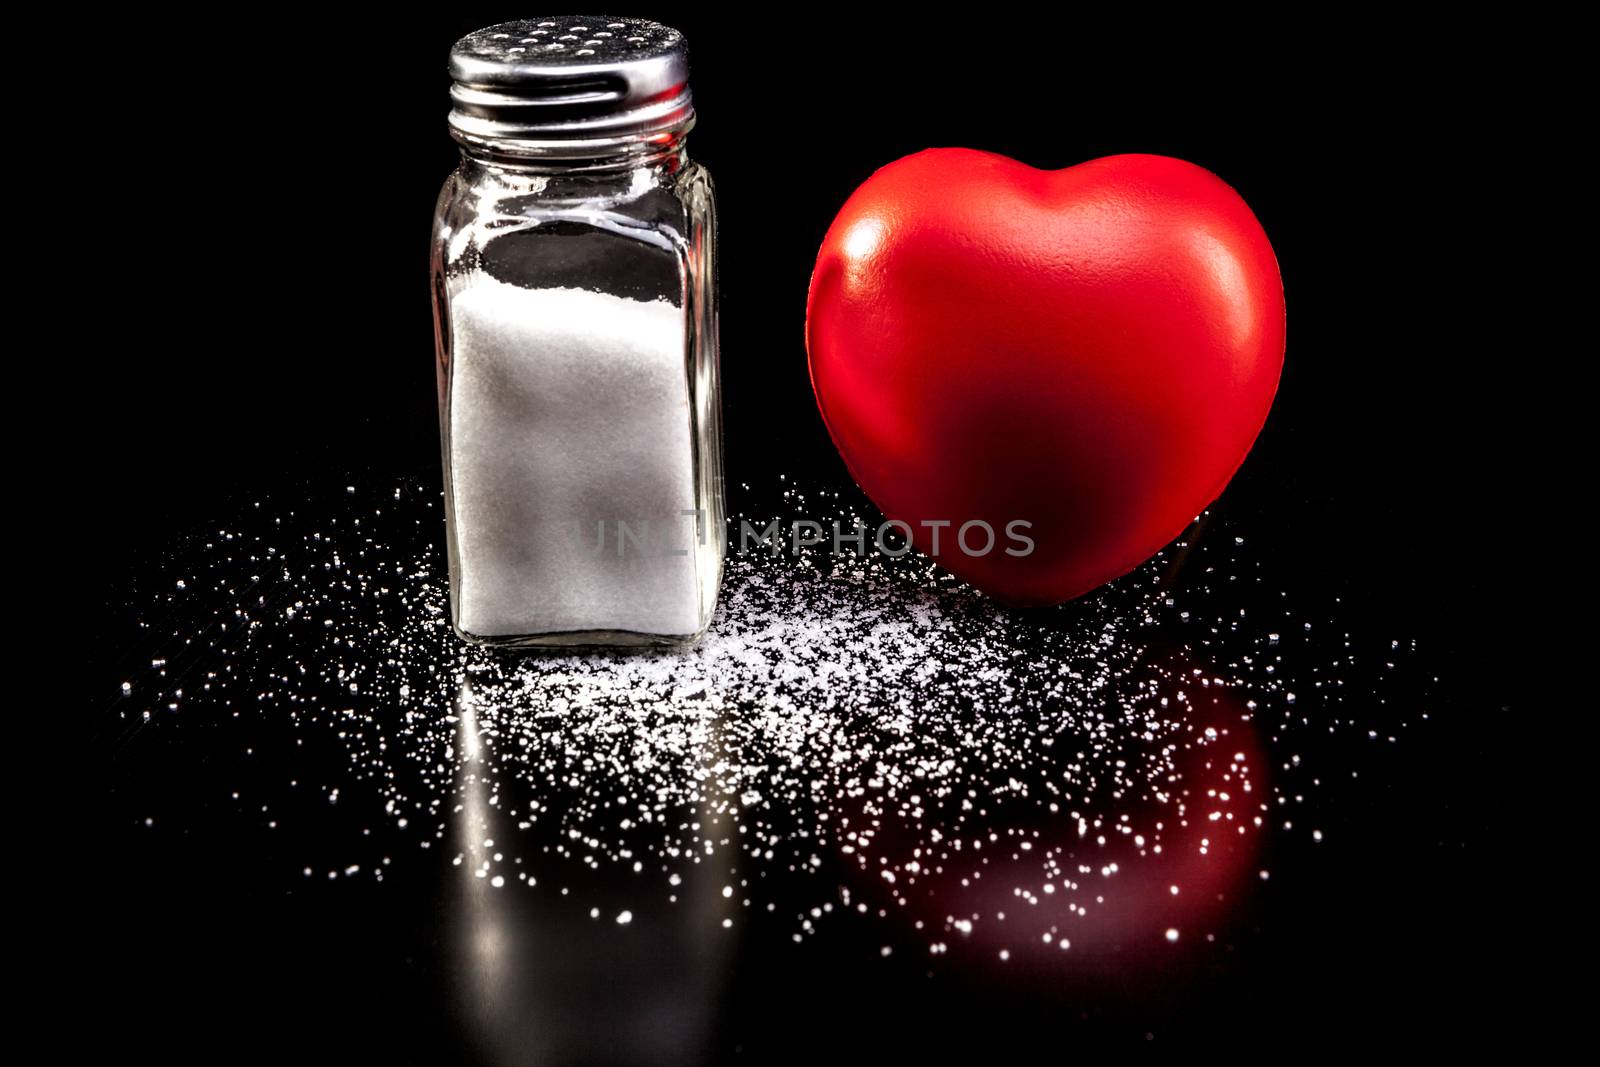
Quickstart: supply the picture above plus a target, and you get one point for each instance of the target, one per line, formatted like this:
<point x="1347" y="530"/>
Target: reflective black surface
<point x="1230" y="777"/>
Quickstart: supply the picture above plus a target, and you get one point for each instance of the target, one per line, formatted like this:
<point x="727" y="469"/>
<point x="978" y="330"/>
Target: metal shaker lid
<point x="562" y="85"/>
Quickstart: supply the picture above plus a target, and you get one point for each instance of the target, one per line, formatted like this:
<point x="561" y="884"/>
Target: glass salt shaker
<point x="575" y="317"/>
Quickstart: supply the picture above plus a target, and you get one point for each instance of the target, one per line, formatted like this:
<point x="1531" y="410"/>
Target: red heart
<point x="1091" y="351"/>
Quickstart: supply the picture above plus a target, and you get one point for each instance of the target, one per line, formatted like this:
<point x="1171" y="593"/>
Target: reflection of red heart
<point x="1090" y="350"/>
<point x="1169" y="848"/>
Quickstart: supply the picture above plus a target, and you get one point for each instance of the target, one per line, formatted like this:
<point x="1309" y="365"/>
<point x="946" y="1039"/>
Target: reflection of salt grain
<point x="569" y="414"/>
<point x="855" y="715"/>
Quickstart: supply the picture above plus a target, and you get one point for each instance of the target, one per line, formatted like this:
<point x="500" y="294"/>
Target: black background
<point x="263" y="191"/>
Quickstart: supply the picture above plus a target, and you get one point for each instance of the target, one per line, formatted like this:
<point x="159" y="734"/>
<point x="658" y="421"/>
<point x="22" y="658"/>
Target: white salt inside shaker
<point x="569" y="418"/>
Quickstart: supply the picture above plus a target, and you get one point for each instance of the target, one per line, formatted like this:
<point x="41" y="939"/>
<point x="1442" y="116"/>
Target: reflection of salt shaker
<point x="575" y="314"/>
